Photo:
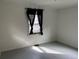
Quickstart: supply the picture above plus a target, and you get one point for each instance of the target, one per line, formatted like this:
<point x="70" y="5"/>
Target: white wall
<point x="67" y="22"/>
<point x="14" y="27"/>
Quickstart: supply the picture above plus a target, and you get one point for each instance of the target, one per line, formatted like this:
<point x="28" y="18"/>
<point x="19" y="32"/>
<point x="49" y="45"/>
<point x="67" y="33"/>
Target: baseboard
<point x="66" y="45"/>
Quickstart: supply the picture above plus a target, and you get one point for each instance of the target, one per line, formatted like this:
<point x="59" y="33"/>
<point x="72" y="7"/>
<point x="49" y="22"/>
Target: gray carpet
<point x="44" y="51"/>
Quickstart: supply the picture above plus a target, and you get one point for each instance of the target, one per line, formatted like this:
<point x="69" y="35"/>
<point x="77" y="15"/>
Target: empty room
<point x="38" y="29"/>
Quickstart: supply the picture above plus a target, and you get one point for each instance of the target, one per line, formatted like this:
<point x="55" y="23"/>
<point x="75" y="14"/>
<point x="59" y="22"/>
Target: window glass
<point x="36" y="27"/>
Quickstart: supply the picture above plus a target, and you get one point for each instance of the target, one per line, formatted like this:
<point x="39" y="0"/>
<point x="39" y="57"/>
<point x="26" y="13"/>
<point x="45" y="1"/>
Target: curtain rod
<point x="34" y="8"/>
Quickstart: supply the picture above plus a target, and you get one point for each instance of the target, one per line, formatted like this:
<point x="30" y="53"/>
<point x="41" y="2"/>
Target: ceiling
<point x="51" y="3"/>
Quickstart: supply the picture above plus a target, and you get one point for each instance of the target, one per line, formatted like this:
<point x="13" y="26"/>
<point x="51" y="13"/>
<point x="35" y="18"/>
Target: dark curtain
<point x="40" y="19"/>
<point x="31" y="11"/>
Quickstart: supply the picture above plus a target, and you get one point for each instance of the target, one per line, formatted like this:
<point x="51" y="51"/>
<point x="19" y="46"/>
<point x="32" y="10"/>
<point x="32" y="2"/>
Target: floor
<point x="44" y="51"/>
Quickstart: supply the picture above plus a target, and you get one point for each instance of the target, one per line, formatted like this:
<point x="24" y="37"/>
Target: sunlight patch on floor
<point x="37" y="49"/>
<point x="45" y="50"/>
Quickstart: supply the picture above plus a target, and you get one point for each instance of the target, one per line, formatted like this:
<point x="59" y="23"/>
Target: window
<point x="35" y="20"/>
